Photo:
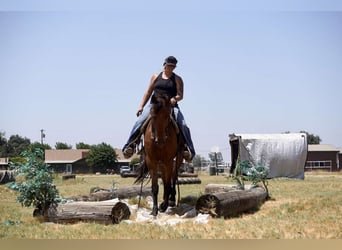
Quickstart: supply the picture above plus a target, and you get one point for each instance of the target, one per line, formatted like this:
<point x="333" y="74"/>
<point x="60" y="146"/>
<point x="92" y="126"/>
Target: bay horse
<point x="162" y="153"/>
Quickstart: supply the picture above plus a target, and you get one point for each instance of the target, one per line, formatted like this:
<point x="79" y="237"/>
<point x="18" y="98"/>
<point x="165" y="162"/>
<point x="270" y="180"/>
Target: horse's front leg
<point x="155" y="189"/>
<point x="167" y="189"/>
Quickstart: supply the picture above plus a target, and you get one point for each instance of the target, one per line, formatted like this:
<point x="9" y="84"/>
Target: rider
<point x="166" y="82"/>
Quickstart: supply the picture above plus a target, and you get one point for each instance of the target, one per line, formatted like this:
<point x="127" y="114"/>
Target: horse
<point x="162" y="153"/>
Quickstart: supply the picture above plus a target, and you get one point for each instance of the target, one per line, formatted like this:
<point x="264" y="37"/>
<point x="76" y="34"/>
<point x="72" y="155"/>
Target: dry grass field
<point x="299" y="209"/>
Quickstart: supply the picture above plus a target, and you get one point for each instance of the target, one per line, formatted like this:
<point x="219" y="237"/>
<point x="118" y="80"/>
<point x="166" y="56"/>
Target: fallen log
<point x="68" y="177"/>
<point x="132" y="191"/>
<point x="230" y="203"/>
<point x="134" y="174"/>
<point x="218" y="188"/>
<point x="109" y="194"/>
<point x="186" y="174"/>
<point x="182" y="181"/>
<point x="105" y="212"/>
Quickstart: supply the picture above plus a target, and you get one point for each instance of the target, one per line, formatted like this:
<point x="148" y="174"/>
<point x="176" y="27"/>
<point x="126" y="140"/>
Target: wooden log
<point x="133" y="174"/>
<point x="105" y="212"/>
<point x="218" y="188"/>
<point x="68" y="177"/>
<point x="132" y="191"/>
<point x="231" y="203"/>
<point x="183" y="181"/>
<point x="108" y="194"/>
<point x="185" y="174"/>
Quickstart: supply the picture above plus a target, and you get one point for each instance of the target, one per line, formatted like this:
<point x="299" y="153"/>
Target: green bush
<point x="34" y="181"/>
<point x="246" y="171"/>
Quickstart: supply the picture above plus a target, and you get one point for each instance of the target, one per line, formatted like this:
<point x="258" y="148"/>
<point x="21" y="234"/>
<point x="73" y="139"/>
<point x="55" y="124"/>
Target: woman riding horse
<point x="161" y="154"/>
<point x="165" y="83"/>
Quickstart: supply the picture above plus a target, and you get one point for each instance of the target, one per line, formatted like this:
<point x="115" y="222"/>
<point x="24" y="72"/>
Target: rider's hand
<point x="173" y="101"/>
<point x="139" y="111"/>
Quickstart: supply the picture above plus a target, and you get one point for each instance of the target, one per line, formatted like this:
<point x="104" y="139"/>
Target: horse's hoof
<point x="154" y="212"/>
<point x="163" y="207"/>
<point x="172" y="203"/>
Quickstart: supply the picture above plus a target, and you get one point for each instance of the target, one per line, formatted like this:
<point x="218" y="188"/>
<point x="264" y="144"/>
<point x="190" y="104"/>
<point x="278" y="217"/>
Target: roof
<point x="322" y="147"/>
<point x="284" y="136"/>
<point x="74" y="155"/>
<point x="65" y="155"/>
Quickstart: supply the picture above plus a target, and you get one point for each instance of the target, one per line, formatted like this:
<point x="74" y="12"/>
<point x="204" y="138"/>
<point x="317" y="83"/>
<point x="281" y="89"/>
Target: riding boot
<point x="187" y="154"/>
<point x="130" y="148"/>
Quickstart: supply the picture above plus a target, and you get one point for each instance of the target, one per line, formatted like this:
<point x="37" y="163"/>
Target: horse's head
<point x="161" y="106"/>
<point x="160" y="117"/>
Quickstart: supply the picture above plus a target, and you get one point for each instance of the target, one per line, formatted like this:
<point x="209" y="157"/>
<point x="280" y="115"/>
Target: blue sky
<point x="79" y="71"/>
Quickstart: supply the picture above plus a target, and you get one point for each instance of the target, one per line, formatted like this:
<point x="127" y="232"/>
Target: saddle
<point x="142" y="130"/>
<point x="172" y="119"/>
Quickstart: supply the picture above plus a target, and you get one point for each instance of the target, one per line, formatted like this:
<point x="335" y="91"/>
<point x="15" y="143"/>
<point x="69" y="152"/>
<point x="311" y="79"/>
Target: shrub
<point x="34" y="182"/>
<point x="246" y="171"/>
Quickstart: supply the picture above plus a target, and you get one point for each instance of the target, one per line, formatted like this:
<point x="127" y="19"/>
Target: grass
<point x="299" y="209"/>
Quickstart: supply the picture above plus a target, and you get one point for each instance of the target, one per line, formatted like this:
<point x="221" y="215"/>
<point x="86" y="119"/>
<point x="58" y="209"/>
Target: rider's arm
<point x="147" y="94"/>
<point x="179" y="84"/>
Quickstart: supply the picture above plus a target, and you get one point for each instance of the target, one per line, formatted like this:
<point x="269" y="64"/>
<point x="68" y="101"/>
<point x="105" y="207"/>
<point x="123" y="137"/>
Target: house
<point x="74" y="161"/>
<point x="125" y="162"/>
<point x="4" y="164"/>
<point x="284" y="154"/>
<point x="68" y="160"/>
<point x="323" y="157"/>
<point x="340" y="159"/>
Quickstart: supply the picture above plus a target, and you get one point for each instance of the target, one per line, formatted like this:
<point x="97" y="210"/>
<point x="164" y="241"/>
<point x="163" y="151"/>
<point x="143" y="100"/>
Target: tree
<point x="37" y="145"/>
<point x="3" y="145"/>
<point x="197" y="161"/>
<point x="82" y="145"/>
<point x="311" y="138"/>
<point x="102" y="156"/>
<point x="62" y="145"/>
<point x="16" y="145"/>
<point x="134" y="161"/>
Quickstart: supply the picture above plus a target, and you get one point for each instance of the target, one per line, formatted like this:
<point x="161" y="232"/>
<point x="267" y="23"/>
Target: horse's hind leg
<point x="178" y="163"/>
<point x="172" y="200"/>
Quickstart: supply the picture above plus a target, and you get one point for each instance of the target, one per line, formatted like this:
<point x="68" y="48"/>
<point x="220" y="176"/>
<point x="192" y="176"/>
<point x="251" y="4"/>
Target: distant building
<point x="323" y="157"/>
<point x="4" y="163"/>
<point x="74" y="161"/>
<point x="68" y="160"/>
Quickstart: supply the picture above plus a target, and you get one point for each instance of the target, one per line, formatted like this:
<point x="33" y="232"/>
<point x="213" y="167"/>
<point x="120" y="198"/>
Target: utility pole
<point x="42" y="136"/>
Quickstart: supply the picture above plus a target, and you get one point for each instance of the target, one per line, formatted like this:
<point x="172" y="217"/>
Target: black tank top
<point x="165" y="86"/>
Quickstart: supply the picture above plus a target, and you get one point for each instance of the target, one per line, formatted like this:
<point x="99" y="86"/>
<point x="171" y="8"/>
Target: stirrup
<point x="187" y="156"/>
<point x="128" y="151"/>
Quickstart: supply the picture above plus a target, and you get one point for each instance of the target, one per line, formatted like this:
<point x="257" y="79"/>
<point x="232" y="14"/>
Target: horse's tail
<point x="142" y="169"/>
